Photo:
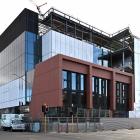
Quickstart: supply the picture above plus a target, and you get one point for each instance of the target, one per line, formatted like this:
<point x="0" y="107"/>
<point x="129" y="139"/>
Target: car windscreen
<point x="16" y="121"/>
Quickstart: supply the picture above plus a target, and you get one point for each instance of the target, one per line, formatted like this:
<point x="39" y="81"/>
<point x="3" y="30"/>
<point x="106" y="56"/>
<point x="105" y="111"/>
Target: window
<point x="82" y="81"/>
<point x="103" y="86"/>
<point x="73" y="88"/>
<point x="65" y="81"/>
<point x="121" y="95"/>
<point x="96" y="54"/>
<point x="117" y="89"/>
<point x="118" y="101"/>
<point x="73" y="81"/>
<point x="123" y="101"/>
<point x="92" y="85"/>
<point x="96" y="83"/>
<point x="105" y="52"/>
<point x="100" y="92"/>
<point x="100" y="88"/>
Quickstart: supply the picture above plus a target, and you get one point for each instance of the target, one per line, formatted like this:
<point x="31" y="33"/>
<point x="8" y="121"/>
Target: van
<point x="12" y="122"/>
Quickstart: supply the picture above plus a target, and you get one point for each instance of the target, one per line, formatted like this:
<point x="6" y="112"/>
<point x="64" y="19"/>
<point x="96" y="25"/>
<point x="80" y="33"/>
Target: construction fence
<point x="67" y="124"/>
<point x="81" y="124"/>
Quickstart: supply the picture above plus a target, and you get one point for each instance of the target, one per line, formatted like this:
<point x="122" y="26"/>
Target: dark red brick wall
<point x="47" y="86"/>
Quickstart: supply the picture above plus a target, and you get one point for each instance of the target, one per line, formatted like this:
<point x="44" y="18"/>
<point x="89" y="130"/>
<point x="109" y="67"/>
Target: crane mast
<point x="41" y="15"/>
<point x="42" y="29"/>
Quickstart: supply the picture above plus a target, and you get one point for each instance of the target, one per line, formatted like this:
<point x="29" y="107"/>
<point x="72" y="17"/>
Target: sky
<point x="107" y="15"/>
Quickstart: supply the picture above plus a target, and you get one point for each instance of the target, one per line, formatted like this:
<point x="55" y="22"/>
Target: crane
<point x="38" y="8"/>
<point x="42" y="29"/>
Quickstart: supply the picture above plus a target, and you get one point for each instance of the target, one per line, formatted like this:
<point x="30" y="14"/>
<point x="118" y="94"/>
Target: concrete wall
<point x="120" y="123"/>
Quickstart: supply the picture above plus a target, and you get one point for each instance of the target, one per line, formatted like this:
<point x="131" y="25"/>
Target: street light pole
<point x="72" y="116"/>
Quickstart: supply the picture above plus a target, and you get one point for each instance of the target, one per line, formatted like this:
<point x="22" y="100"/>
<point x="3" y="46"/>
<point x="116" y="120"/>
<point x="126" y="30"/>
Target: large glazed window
<point x="73" y="89"/>
<point x="100" y="93"/>
<point x="121" y="96"/>
<point x="65" y="80"/>
<point x="98" y="53"/>
<point x="73" y="81"/>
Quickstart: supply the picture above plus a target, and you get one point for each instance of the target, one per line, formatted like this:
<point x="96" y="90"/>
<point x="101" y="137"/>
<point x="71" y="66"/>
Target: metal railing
<point x="81" y="124"/>
<point x="75" y="20"/>
<point x="77" y="112"/>
<point x="70" y="124"/>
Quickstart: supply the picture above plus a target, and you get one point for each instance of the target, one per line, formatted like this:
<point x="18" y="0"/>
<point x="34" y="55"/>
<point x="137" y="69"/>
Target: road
<point x="104" y="135"/>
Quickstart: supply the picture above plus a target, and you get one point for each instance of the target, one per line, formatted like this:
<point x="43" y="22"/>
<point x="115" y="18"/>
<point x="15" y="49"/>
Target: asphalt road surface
<point x="104" y="135"/>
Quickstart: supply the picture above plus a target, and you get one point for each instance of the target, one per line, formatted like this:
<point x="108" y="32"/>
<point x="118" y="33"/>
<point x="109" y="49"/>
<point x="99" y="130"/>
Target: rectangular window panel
<point x="64" y="79"/>
<point x="73" y="81"/>
<point x="93" y="85"/>
<point x="121" y="95"/>
<point x="82" y="82"/>
<point x="100" y="86"/>
<point x="73" y="89"/>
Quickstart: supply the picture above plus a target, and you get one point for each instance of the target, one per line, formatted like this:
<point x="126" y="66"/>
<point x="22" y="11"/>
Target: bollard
<point x="45" y="125"/>
<point x="58" y="126"/>
<point x="67" y="127"/>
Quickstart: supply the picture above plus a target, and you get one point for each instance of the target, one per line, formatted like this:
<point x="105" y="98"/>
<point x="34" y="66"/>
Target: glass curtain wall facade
<point x="15" y="61"/>
<point x="31" y="58"/>
<point x="54" y="43"/>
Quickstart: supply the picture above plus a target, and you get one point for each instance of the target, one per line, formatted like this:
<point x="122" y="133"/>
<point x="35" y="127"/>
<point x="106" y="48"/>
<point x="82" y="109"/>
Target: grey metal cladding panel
<point x="27" y="20"/>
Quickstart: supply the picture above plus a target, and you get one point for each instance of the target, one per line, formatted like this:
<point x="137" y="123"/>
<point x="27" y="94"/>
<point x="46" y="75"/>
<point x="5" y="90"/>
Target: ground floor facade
<point x="66" y="82"/>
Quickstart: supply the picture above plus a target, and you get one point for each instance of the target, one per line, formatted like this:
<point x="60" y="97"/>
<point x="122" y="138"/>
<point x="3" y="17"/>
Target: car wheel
<point x="12" y="130"/>
<point x="4" y="128"/>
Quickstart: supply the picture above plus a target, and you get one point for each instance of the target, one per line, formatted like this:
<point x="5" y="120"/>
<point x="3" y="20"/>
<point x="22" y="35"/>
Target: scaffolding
<point x="71" y="26"/>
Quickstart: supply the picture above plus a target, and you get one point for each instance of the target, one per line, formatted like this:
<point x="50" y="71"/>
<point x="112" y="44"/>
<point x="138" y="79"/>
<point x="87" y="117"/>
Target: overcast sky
<point x="108" y="15"/>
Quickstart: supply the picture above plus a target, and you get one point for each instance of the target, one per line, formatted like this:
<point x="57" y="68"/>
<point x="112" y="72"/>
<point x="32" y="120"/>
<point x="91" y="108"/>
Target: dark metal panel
<point x="27" y="20"/>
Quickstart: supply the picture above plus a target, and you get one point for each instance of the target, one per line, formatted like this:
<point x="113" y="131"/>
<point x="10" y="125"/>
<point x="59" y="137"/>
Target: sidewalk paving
<point x="104" y="135"/>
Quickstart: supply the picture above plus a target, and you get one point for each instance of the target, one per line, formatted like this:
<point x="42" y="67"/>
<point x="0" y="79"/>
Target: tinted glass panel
<point x="73" y="89"/>
<point x="100" y="93"/>
<point x="73" y="81"/>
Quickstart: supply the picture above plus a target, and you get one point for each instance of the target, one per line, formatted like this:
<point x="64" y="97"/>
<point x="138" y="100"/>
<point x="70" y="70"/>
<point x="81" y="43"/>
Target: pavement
<point x="104" y="135"/>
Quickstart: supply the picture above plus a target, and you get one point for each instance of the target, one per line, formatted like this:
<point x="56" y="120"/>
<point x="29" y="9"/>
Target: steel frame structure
<point x="56" y="20"/>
